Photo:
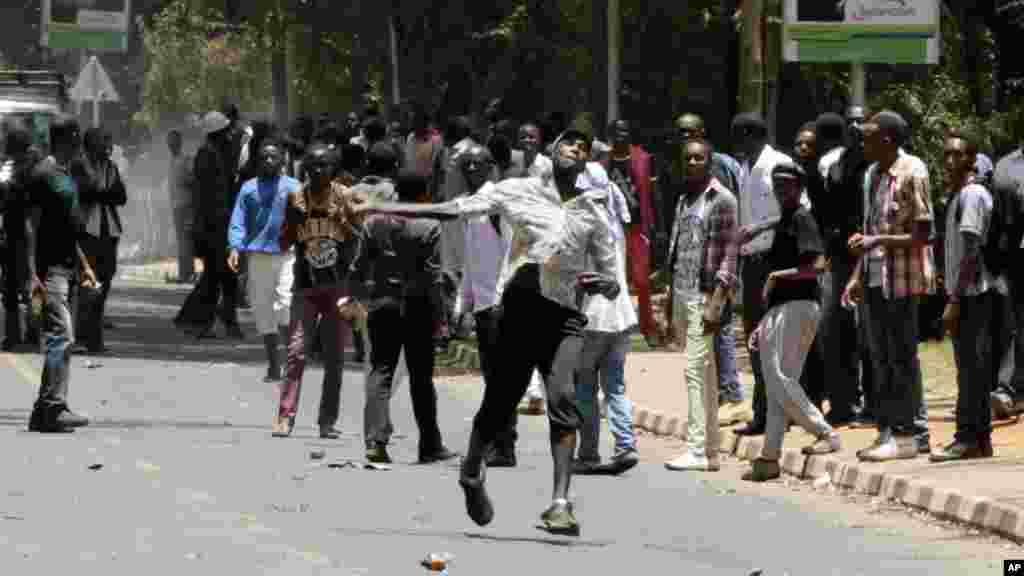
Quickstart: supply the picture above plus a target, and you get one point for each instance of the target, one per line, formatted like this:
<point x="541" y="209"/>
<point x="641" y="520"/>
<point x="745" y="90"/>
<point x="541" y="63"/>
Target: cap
<point x="214" y="122"/>
<point x="788" y="170"/>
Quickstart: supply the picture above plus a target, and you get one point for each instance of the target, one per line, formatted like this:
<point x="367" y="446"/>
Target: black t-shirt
<point x="55" y="192"/>
<point x="325" y="247"/>
<point x="797" y="240"/>
<point x="621" y="172"/>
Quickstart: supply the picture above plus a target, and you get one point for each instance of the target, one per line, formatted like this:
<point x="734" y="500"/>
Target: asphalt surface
<point x="179" y="474"/>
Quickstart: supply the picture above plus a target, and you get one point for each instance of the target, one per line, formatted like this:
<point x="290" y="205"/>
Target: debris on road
<point x="437" y="562"/>
<point x="93" y="364"/>
<point x="95" y="466"/>
<point x="358" y="465"/>
<point x="317" y="454"/>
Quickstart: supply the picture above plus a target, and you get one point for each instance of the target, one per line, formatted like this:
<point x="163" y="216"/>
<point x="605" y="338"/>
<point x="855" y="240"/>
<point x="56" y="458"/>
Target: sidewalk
<point x="983" y="493"/>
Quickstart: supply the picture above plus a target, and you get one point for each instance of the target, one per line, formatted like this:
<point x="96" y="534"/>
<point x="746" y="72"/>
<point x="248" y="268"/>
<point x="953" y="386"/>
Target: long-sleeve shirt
<point x="259" y="214"/>
<point x="618" y="315"/>
<point x="558" y="237"/>
<point x="704" y="237"/>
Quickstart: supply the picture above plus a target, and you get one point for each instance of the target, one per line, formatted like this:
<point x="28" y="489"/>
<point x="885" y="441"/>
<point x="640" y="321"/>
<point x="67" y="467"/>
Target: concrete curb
<point x="871" y="479"/>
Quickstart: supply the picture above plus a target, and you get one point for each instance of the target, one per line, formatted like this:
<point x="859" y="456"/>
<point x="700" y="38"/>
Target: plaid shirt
<point x="895" y="203"/>
<point x="720" y="236"/>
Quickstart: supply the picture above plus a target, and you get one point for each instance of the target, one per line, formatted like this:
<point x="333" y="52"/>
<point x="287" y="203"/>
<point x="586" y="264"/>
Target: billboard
<point x="95" y="25"/>
<point x="868" y="31"/>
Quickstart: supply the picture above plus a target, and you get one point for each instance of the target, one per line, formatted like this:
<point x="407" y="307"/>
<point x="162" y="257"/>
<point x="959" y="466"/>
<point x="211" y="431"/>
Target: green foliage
<point x="193" y="65"/>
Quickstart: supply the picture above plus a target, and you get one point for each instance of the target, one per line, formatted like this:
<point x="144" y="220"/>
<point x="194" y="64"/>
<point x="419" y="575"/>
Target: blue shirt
<point x="259" y="213"/>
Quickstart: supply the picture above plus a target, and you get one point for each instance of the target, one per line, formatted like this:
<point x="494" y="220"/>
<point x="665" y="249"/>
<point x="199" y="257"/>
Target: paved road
<point x="189" y="479"/>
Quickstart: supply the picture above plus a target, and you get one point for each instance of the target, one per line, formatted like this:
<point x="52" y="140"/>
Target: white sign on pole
<point x="94" y="84"/>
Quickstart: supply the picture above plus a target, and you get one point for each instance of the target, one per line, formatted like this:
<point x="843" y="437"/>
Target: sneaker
<point x="1002" y="406"/>
<point x="559" y="519"/>
<point x="762" y="471"/>
<point x="329" y="433"/>
<point x="585" y="467"/>
<point x="825" y="445"/>
<point x="892" y="449"/>
<point x="439" y="455"/>
<point x="68" y="419"/>
<point x="624" y="461"/>
<point x="958" y="451"/>
<point x="478" y="504"/>
<point x="378" y="455"/>
<point x="689" y="461"/>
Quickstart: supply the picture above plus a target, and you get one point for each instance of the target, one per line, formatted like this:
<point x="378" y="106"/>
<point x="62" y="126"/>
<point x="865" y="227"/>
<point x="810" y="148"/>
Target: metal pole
<point x="858" y="83"/>
<point x="393" y="48"/>
<point x="614" y="32"/>
<point x="96" y="101"/>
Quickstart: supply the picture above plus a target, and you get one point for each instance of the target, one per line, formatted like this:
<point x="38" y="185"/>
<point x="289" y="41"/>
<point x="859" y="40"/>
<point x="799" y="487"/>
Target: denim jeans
<point x="604" y="361"/>
<point x="58" y="336"/>
<point x="729" y="385"/>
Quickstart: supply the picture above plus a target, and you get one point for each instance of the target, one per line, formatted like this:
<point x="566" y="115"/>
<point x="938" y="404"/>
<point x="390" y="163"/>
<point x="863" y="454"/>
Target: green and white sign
<point x="866" y="31"/>
<point x="94" y="25"/>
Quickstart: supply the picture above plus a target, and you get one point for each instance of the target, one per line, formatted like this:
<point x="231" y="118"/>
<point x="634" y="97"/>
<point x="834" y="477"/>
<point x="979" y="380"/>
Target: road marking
<point x="27" y="373"/>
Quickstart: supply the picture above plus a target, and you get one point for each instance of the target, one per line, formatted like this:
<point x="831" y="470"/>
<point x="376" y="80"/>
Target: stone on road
<point x="179" y="474"/>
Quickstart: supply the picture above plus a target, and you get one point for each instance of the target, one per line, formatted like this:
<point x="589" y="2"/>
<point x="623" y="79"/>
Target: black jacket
<point x="401" y="265"/>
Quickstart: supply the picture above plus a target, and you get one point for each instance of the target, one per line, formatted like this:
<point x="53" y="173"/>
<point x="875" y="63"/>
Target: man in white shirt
<point x="605" y="344"/>
<point x="758" y="212"/>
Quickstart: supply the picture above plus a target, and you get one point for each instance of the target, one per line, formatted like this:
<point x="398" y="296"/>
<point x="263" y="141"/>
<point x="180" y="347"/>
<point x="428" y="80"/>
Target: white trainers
<point x="689" y="461"/>
<point x="891" y="449"/>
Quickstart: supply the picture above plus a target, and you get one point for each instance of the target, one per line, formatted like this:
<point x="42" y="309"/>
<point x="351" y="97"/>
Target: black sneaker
<point x="440" y="455"/>
<point x="68" y="419"/>
<point x="585" y="467"/>
<point x="478" y="504"/>
<point x="559" y="519"/>
<point x="500" y="459"/>
<point x="378" y="455"/>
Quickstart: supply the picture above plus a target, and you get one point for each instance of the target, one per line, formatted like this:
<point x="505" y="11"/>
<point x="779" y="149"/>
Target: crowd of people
<point x="536" y="237"/>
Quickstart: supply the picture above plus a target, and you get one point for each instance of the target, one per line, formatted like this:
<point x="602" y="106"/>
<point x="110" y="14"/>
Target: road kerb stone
<point x="670" y="426"/>
<point x="973" y="510"/>
<point x="919" y="495"/>
<point x="945" y="503"/>
<point x="793" y="463"/>
<point x="894" y="487"/>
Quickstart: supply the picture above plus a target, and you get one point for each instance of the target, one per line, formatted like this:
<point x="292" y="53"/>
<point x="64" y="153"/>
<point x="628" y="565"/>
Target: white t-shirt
<point x="757" y="199"/>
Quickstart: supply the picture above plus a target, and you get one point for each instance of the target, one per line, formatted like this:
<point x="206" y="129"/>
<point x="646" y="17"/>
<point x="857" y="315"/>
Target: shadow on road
<point x="143" y="329"/>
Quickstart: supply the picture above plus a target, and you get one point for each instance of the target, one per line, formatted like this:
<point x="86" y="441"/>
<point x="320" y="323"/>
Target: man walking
<point x="401" y="265"/>
<point x="255" y="232"/>
<point x="895" y="268"/>
<point x="1008" y="186"/>
<point x="55" y="261"/>
<point x="327" y="243"/>
<point x="556" y="231"/>
<point x="702" y="254"/>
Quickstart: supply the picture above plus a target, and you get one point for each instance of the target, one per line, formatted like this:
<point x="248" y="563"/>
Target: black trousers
<point x="534" y="333"/>
<point x="754" y="275"/>
<point x="975" y="367"/>
<point x="102" y="256"/>
<point x="14" y="286"/>
<point x="390" y="331"/>
<point x="486" y="322"/>
<point x="217" y="285"/>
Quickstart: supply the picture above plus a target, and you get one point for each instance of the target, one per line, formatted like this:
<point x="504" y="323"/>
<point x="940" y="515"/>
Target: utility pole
<point x="614" y="59"/>
<point x="751" y="69"/>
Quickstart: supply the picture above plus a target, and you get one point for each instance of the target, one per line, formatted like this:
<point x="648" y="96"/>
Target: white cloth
<point x="757" y="199"/>
<point x="270" y="289"/>
<point x="560" y="237"/>
<point x="542" y="167"/>
<point x="481" y="270"/>
<point x="617" y="315"/>
<point x="830" y="158"/>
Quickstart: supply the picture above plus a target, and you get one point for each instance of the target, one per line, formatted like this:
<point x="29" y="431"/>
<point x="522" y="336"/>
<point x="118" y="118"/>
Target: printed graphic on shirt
<point x="321" y="238"/>
<point x="690" y="250"/>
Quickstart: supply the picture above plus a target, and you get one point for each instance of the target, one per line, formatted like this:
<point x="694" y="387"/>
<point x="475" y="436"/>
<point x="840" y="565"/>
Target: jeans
<point x="729" y="385"/>
<point x="703" y="435"/>
<point x="787" y="333"/>
<point x="390" y="332"/>
<point x="892" y="331"/>
<point x="308" y="306"/>
<point x="972" y="350"/>
<point x="604" y="362"/>
<point x="58" y="337"/>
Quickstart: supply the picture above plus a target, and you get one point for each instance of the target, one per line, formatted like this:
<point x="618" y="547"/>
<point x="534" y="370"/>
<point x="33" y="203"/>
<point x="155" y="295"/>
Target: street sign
<point x="95" y="25"/>
<point x="862" y="31"/>
<point x="93" y="84"/>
